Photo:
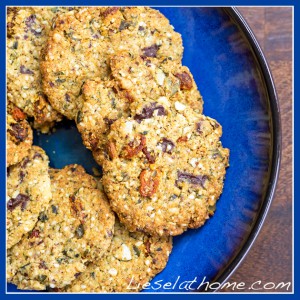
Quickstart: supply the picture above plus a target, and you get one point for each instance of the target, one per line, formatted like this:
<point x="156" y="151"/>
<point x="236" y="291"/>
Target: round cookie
<point x="80" y="45"/>
<point x="28" y="29"/>
<point x="28" y="194"/>
<point x="77" y="228"/>
<point x="132" y="260"/>
<point x="166" y="170"/>
<point x="18" y="135"/>
<point x="135" y="82"/>
<point x="148" y="79"/>
<point x="103" y="105"/>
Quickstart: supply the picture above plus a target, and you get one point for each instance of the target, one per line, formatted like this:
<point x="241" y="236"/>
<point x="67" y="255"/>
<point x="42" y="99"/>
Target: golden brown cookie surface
<point x="81" y="43"/>
<point x="77" y="228"/>
<point x="103" y="105"/>
<point x="28" y="194"/>
<point x="28" y="29"/>
<point x="165" y="171"/>
<point x="132" y="260"/>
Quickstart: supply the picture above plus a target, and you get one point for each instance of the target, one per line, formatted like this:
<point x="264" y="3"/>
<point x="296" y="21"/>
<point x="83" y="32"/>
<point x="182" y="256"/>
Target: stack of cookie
<point x="118" y="73"/>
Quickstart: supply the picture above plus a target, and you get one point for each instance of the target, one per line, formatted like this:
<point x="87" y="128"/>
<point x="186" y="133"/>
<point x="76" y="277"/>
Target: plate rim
<point x="275" y="158"/>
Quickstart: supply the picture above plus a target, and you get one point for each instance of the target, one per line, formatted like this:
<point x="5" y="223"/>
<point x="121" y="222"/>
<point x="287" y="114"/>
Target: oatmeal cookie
<point x="80" y="45"/>
<point x="147" y="79"/>
<point x="103" y="105"/>
<point x="132" y="260"/>
<point x="28" y="194"/>
<point x="18" y="135"/>
<point x="76" y="229"/>
<point x="135" y="82"/>
<point x="28" y="29"/>
<point x="165" y="171"/>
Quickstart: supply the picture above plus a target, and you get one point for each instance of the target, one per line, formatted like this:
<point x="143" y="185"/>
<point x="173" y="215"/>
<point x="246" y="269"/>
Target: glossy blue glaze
<point x="228" y="77"/>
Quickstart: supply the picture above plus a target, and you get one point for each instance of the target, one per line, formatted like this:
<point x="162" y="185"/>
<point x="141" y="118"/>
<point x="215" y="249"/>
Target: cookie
<point x="28" y="194"/>
<point x="18" y="135"/>
<point x="165" y="171"/>
<point x="74" y="176"/>
<point x="77" y="228"/>
<point x="132" y="260"/>
<point x="80" y="45"/>
<point x="28" y="29"/>
<point x="103" y="105"/>
<point x="148" y="79"/>
<point x="135" y="81"/>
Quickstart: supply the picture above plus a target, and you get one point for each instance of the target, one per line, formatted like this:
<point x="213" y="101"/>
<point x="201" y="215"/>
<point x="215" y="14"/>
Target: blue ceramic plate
<point x="238" y="91"/>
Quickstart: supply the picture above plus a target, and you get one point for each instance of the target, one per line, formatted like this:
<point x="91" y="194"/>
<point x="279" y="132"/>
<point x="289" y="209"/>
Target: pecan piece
<point x="186" y="82"/>
<point x="182" y="139"/>
<point x="149" y="182"/>
<point x="17" y="114"/>
<point x="112" y="152"/>
<point x="77" y="209"/>
<point x="132" y="151"/>
<point x="39" y="108"/>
